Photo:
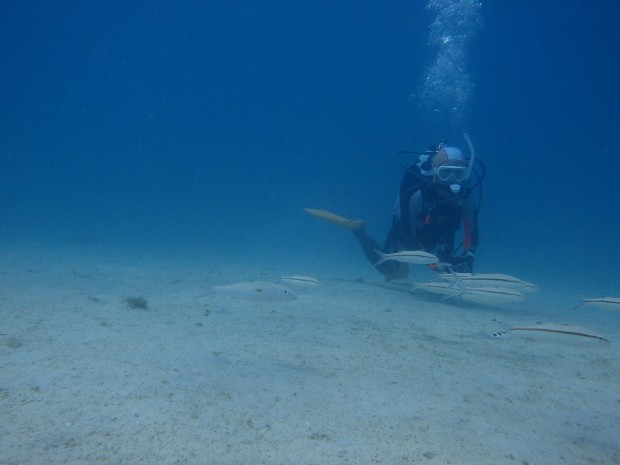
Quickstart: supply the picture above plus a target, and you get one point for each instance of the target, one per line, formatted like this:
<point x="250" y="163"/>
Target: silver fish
<point x="548" y="330"/>
<point x="472" y="294"/>
<point x="490" y="295"/>
<point x="256" y="291"/>
<point x="300" y="280"/>
<point x="610" y="303"/>
<point x="415" y="257"/>
<point x="489" y="280"/>
<point x="443" y="288"/>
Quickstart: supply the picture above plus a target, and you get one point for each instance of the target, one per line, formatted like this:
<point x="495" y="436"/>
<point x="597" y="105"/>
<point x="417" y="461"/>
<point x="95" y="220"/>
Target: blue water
<point x="210" y="125"/>
<point x="198" y="131"/>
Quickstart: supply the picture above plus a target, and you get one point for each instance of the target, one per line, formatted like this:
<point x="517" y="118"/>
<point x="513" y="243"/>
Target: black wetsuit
<point x="425" y="218"/>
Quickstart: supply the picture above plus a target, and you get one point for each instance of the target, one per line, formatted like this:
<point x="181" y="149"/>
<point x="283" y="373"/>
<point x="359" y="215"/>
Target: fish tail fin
<point x="501" y="334"/>
<point x="580" y="304"/>
<point x="382" y="257"/>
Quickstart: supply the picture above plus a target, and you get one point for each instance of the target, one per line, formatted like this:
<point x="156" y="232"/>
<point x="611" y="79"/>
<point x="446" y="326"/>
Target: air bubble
<point x="447" y="86"/>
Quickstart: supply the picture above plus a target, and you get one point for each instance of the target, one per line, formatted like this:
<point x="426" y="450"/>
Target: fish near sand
<point x="414" y="257"/>
<point x="257" y="291"/>
<point x="490" y="295"/>
<point x="481" y="295"/>
<point x="300" y="280"/>
<point x="564" y="333"/>
<point x="490" y="280"/>
<point x="444" y="288"/>
<point x="610" y="303"/>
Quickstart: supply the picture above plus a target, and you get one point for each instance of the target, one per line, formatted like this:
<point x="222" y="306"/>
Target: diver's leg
<point x="390" y="269"/>
<point x="369" y="245"/>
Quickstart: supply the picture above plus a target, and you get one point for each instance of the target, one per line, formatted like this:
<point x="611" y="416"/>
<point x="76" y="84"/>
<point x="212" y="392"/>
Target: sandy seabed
<point x="351" y="372"/>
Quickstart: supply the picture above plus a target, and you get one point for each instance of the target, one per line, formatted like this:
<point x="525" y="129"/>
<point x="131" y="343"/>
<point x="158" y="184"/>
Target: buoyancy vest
<point x="412" y="181"/>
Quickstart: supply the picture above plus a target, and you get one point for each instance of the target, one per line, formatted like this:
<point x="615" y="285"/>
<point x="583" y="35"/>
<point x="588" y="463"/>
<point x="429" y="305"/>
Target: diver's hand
<point x="441" y="267"/>
<point x="463" y="264"/>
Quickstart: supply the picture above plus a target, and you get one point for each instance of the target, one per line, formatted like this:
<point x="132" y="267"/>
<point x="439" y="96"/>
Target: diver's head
<point x="450" y="168"/>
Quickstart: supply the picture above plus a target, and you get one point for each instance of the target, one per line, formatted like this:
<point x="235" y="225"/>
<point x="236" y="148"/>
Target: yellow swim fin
<point x="336" y="219"/>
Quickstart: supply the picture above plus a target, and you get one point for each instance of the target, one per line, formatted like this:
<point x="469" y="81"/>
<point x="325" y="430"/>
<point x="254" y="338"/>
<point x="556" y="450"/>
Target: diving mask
<point x="452" y="174"/>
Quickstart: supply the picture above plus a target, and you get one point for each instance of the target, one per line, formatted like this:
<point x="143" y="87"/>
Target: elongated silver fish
<point x="443" y="288"/>
<point x="480" y="295"/>
<point x="610" y="303"/>
<point x="300" y="280"/>
<point x="489" y="280"/>
<point x="490" y="295"/>
<point x="560" y="332"/>
<point x="257" y="291"/>
<point x="415" y="257"/>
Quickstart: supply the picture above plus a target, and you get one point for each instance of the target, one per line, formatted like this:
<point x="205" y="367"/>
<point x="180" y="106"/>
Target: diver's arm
<point x="464" y="263"/>
<point x="470" y="224"/>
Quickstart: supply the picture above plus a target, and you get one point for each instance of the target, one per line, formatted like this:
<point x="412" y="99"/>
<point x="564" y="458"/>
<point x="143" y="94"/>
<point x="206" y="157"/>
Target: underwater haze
<point x="209" y="126"/>
<point x="165" y="298"/>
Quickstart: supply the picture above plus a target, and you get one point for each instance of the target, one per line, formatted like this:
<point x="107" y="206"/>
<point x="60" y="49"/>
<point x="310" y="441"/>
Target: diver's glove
<point x="463" y="264"/>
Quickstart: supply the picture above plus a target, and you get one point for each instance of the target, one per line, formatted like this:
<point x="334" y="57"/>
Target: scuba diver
<point x="436" y="198"/>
